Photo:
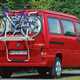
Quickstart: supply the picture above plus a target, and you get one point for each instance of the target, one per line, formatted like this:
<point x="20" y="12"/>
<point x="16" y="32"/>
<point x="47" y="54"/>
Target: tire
<point x="56" y="70"/>
<point x="2" y="26"/>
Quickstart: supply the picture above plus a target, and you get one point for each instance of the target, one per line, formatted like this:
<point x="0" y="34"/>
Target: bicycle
<point x="24" y="23"/>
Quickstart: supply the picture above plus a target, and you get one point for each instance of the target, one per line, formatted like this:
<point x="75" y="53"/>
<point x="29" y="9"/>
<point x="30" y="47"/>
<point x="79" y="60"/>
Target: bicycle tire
<point x="30" y="28"/>
<point x="2" y="26"/>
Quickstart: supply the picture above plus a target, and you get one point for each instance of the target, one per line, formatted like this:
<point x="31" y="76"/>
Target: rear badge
<point x="18" y="44"/>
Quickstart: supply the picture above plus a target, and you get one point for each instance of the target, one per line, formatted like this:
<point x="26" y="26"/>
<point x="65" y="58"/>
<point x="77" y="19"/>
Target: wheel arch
<point x="59" y="55"/>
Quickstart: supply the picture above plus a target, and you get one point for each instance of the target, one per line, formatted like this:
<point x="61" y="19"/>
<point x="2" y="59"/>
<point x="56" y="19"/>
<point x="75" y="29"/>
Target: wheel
<point x="2" y="26"/>
<point x="30" y="25"/>
<point x="5" y="75"/>
<point x="57" y="68"/>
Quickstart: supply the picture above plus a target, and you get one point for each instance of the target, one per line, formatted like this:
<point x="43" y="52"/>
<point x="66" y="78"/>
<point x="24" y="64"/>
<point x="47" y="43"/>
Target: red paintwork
<point x="42" y="53"/>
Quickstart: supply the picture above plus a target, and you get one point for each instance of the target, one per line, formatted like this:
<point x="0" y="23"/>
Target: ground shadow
<point x="46" y="76"/>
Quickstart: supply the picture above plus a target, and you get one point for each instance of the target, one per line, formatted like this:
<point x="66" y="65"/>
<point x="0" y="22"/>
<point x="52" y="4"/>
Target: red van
<point x="51" y="43"/>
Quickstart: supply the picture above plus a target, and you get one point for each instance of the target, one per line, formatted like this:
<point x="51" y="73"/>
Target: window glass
<point x="78" y="27"/>
<point x="68" y="27"/>
<point x="54" y="26"/>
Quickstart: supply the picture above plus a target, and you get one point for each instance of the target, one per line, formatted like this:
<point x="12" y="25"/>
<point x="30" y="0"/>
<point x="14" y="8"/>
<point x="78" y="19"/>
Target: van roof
<point x="52" y="12"/>
<point x="59" y="13"/>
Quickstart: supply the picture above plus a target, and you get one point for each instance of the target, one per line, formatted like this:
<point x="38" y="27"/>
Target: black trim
<point x="55" y="42"/>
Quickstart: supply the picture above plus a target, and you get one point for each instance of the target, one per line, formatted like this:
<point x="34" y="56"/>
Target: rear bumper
<point x="47" y="61"/>
<point x="43" y="64"/>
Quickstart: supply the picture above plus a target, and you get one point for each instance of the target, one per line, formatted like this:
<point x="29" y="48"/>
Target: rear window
<point x="68" y="27"/>
<point x="54" y="26"/>
<point x="23" y="25"/>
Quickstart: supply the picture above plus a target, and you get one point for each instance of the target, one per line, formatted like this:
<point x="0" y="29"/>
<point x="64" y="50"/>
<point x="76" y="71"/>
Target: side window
<point x="68" y="27"/>
<point x="54" y="26"/>
<point x="78" y="27"/>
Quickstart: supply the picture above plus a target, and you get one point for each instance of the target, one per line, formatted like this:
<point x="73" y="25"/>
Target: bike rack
<point x="14" y="38"/>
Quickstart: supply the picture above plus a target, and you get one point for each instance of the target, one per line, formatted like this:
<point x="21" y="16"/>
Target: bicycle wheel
<point x="37" y="26"/>
<point x="2" y="26"/>
<point x="30" y="25"/>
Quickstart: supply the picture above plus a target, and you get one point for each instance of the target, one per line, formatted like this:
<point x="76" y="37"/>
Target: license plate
<point x="18" y="52"/>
